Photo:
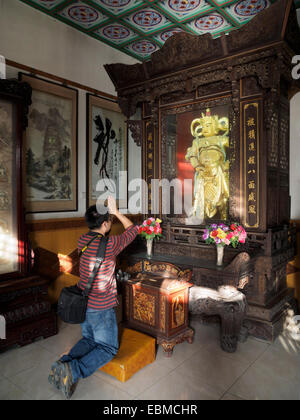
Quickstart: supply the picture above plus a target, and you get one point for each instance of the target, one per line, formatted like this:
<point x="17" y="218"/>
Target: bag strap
<point x="88" y="243"/>
<point x="99" y="260"/>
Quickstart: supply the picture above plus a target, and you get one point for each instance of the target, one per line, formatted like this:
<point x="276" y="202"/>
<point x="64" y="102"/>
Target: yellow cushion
<point x="136" y="351"/>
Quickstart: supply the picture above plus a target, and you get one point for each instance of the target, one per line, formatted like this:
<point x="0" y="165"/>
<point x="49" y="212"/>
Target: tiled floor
<point x="201" y="371"/>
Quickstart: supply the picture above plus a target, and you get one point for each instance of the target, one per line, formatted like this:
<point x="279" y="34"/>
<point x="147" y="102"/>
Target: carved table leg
<point x="168" y="345"/>
<point x="189" y="336"/>
<point x="190" y="340"/>
<point x="228" y="303"/>
<point x="232" y="319"/>
<point x="168" y="349"/>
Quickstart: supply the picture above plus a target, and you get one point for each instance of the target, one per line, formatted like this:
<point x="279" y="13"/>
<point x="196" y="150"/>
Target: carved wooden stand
<point x="156" y="302"/>
<point x="26" y="310"/>
<point x="229" y="304"/>
<point x="223" y="299"/>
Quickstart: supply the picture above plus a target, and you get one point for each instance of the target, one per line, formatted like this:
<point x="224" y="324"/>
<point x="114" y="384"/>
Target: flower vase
<point x="149" y="247"/>
<point x="220" y="255"/>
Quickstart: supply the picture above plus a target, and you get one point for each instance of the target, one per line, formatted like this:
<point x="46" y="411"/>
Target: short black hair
<point x="94" y="219"/>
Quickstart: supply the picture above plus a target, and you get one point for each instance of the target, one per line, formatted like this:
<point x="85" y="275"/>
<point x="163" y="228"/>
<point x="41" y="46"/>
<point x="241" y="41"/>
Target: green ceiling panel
<point x="139" y="28"/>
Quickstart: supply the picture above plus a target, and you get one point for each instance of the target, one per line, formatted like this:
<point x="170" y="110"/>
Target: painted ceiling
<point x="139" y="28"/>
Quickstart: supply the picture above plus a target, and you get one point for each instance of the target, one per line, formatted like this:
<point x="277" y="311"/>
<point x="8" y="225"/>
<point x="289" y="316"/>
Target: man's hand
<point x="112" y="208"/>
<point x="112" y="205"/>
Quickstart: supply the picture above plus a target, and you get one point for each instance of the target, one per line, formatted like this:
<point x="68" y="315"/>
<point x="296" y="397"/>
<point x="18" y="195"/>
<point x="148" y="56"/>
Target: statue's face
<point x="210" y="158"/>
<point x="208" y="129"/>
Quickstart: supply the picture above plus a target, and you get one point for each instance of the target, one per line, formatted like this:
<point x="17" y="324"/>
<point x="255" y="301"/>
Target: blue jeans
<point x="98" y="346"/>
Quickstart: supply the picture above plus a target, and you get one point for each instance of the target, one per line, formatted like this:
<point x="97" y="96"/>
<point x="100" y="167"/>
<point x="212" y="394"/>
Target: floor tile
<point x="205" y="332"/>
<point x="17" y="360"/>
<point x="34" y="381"/>
<point x="256" y="384"/>
<point x="281" y="363"/>
<point x="63" y="342"/>
<point x="215" y="370"/>
<point x="175" y="386"/>
<point x="246" y="352"/>
<point x="286" y="343"/>
<point x="9" y="391"/>
<point x="200" y="371"/>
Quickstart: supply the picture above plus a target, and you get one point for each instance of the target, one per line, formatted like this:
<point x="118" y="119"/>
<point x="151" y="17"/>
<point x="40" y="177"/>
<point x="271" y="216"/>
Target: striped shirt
<point x="103" y="294"/>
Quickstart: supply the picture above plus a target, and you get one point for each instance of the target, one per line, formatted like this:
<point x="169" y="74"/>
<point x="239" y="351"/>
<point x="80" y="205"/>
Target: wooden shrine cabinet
<point x="25" y="312"/>
<point x="157" y="303"/>
<point x="216" y="112"/>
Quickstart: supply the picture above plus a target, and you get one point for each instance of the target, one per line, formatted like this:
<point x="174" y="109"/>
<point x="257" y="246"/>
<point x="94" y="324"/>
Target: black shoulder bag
<point x="72" y="303"/>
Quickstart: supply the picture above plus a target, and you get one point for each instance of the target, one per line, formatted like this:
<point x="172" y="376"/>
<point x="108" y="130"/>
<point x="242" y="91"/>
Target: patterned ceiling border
<point x="140" y="27"/>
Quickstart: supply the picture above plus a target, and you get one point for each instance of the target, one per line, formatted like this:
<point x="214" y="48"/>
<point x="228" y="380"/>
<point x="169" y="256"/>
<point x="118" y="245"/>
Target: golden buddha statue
<point x="208" y="157"/>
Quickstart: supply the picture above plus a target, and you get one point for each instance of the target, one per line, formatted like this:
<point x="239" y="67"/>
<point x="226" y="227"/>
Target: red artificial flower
<point x="149" y="222"/>
<point x="232" y="227"/>
<point x="214" y="233"/>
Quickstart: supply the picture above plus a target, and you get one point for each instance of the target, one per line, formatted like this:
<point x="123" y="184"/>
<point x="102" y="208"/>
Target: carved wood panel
<point x="252" y="163"/>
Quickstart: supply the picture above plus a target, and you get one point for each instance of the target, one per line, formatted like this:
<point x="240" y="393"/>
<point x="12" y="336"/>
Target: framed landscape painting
<point x="50" y="159"/>
<point x="106" y="152"/>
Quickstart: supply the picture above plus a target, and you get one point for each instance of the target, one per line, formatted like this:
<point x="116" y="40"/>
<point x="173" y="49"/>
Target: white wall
<point x="29" y="37"/>
<point x="295" y="156"/>
<point x="33" y="38"/>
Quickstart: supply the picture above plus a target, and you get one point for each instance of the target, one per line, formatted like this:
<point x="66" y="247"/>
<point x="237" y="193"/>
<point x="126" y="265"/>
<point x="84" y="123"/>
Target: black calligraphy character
<point x="99" y="137"/>
<point x="103" y="138"/>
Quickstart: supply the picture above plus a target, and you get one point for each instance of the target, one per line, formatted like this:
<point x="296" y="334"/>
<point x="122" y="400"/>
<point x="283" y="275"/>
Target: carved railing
<point x="269" y="243"/>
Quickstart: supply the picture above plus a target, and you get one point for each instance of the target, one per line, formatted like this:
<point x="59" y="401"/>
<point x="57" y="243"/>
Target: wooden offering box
<point x="158" y="306"/>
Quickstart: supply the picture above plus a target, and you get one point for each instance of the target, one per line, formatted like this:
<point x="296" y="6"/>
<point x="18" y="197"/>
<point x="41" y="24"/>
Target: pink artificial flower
<point x="226" y="241"/>
<point x="151" y="228"/>
<point x="242" y="237"/>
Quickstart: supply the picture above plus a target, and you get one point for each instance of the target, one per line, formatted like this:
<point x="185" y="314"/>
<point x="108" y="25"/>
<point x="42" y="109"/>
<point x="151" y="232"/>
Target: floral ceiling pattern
<point x="139" y="28"/>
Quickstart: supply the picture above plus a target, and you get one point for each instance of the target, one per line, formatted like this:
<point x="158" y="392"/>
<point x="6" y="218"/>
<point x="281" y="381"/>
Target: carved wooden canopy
<point x="183" y="62"/>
